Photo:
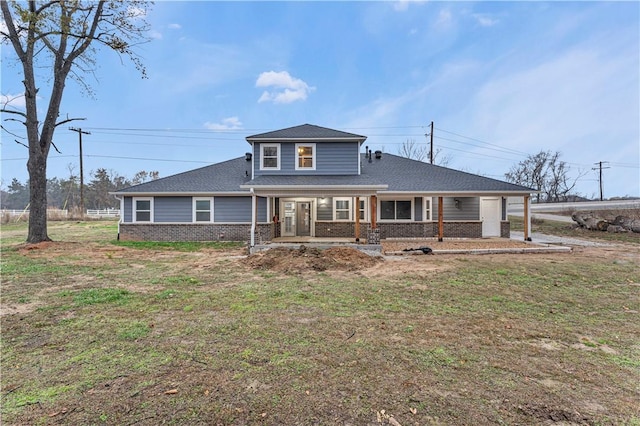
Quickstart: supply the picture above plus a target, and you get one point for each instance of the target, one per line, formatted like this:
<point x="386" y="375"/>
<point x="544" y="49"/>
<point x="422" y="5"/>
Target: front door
<point x="296" y="218"/>
<point x="303" y="219"/>
<point x="490" y="216"/>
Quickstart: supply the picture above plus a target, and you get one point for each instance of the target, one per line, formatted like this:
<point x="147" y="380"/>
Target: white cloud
<point x="485" y="20"/>
<point x="403" y="5"/>
<point x="156" y="35"/>
<point x="229" y="123"/>
<point x="444" y="18"/>
<point x="284" y="88"/>
<point x="174" y="26"/>
<point x="15" y="101"/>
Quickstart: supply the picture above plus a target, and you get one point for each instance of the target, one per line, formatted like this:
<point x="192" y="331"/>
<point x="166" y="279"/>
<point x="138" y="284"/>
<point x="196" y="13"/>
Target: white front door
<point x="490" y="209"/>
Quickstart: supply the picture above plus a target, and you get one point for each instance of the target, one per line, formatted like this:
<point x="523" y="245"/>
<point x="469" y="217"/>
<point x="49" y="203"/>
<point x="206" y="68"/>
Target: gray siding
<point x="325" y="212"/>
<point x="128" y="212"/>
<point x="468" y="208"/>
<point x="332" y="158"/>
<point x="238" y="209"/>
<point x="172" y="209"/>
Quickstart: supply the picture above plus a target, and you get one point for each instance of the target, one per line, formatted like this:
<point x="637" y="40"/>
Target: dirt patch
<point x="288" y="260"/>
<point x="404" y="246"/>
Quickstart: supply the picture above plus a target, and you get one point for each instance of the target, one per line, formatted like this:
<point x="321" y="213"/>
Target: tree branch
<point x="68" y="120"/>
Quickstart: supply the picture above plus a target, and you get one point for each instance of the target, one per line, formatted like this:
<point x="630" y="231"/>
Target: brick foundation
<point x="192" y="232"/>
<point x="340" y="229"/>
<point x="505" y="229"/>
<point x="267" y="231"/>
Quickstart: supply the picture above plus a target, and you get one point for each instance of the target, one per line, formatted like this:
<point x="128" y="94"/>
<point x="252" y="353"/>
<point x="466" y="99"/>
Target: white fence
<point x="104" y="213"/>
<point x="92" y="213"/>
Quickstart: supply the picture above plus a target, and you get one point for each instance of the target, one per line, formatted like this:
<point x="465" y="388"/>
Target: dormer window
<point x="270" y="158"/>
<point x="305" y="156"/>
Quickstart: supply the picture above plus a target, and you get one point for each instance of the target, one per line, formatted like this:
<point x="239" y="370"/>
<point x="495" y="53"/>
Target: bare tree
<point x="59" y="35"/>
<point x="546" y="173"/>
<point x="411" y="149"/>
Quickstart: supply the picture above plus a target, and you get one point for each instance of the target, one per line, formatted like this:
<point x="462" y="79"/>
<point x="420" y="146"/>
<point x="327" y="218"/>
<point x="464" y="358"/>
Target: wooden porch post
<point x="440" y="218"/>
<point x="357" y="213"/>
<point x="527" y="218"/>
<point x="374" y="213"/>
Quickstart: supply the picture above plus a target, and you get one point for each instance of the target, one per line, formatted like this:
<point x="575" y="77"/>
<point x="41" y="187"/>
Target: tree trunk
<point x="37" y="166"/>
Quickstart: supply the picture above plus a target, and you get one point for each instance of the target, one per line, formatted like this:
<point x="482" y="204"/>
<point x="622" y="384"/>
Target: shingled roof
<point x="307" y="132"/>
<point x="216" y="178"/>
<point x="406" y="175"/>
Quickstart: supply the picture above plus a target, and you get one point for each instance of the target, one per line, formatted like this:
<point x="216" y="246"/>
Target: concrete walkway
<point x="536" y="237"/>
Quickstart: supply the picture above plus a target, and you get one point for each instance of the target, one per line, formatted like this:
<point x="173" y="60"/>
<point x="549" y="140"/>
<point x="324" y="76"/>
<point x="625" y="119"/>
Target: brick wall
<point x="267" y="231"/>
<point x="193" y="232"/>
<point x="505" y="229"/>
<point x="340" y="229"/>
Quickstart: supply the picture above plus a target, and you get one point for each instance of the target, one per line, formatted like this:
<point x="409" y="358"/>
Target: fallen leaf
<point x="413" y="410"/>
<point x="171" y="391"/>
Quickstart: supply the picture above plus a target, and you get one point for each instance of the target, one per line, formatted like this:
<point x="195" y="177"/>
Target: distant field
<point x="100" y="332"/>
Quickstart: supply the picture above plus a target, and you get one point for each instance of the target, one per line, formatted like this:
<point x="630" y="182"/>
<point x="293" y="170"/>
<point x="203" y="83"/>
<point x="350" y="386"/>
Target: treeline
<point x="65" y="193"/>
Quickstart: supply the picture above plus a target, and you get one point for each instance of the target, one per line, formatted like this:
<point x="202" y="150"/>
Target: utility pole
<point x="599" y="164"/>
<point x="80" y="133"/>
<point x="431" y="150"/>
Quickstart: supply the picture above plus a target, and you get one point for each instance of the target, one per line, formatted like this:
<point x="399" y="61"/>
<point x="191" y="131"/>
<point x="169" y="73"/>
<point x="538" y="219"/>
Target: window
<point x="362" y="209"/>
<point x="306" y="156"/>
<point x="202" y="211"/>
<point x="142" y="209"/>
<point x="341" y="209"/>
<point x="270" y="158"/>
<point x="395" y="210"/>
<point x="427" y="209"/>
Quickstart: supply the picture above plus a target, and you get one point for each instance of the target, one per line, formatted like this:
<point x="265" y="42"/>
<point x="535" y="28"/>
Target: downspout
<point x="121" y="213"/>
<point x="253" y="219"/>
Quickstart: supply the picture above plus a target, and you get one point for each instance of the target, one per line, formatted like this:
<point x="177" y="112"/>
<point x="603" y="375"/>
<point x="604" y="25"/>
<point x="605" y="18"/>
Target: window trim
<point x="313" y="156"/>
<point x="134" y="207"/>
<point x="195" y="212"/>
<point x="270" y="145"/>
<point x="349" y="209"/>
<point x="395" y="211"/>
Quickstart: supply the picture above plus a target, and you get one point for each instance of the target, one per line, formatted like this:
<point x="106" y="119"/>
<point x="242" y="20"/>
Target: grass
<point x="164" y="334"/>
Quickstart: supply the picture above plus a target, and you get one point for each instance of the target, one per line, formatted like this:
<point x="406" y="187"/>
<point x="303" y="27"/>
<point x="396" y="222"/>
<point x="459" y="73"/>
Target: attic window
<point x="270" y="158"/>
<point x="305" y="156"/>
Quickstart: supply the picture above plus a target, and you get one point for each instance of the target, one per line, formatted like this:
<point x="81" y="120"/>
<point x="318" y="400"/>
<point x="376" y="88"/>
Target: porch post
<point x="374" y="213"/>
<point x="440" y="218"/>
<point x="527" y="218"/>
<point x="357" y="213"/>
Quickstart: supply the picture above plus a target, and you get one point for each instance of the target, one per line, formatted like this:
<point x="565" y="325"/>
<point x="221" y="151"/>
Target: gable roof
<point x="222" y="177"/>
<point x="306" y="132"/>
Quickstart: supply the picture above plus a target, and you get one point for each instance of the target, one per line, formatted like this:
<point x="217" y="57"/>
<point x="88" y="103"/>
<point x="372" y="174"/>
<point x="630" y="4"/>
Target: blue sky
<point x="500" y="80"/>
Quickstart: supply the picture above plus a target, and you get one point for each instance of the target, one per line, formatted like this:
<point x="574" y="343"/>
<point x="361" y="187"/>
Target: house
<point x="309" y="181"/>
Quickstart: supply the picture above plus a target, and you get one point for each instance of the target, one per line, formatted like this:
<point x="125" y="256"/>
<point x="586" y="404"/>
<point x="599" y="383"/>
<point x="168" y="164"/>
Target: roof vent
<point x="247" y="156"/>
<point x="378" y="155"/>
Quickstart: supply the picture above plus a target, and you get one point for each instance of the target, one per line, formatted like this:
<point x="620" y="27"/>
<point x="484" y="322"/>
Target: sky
<point x="499" y="80"/>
